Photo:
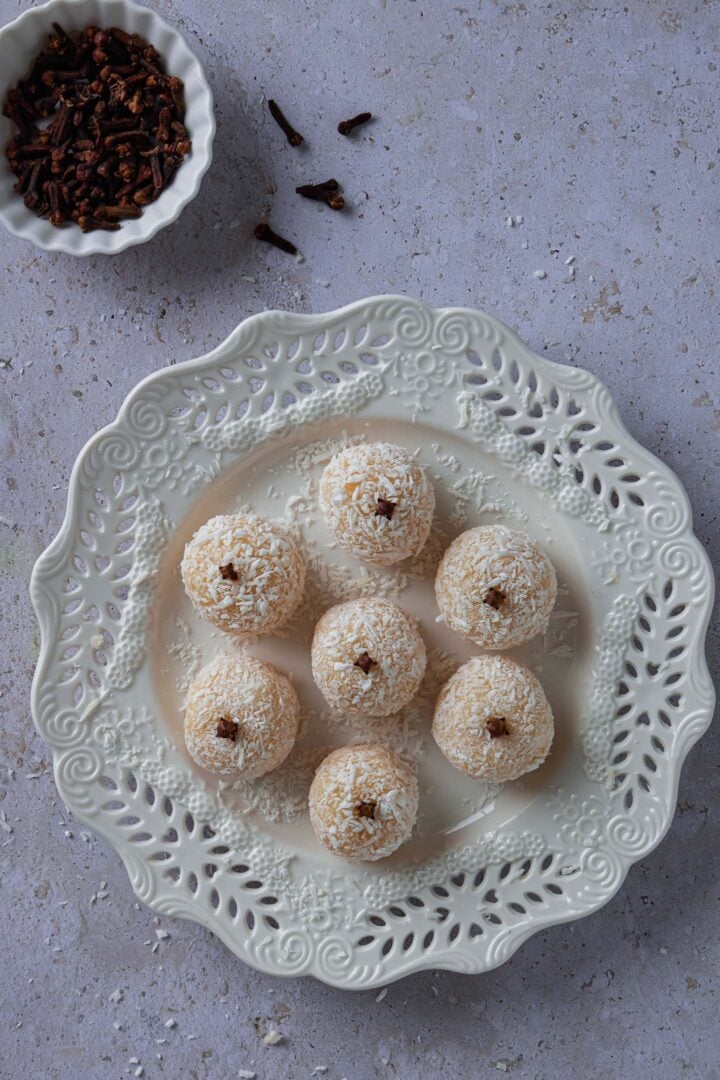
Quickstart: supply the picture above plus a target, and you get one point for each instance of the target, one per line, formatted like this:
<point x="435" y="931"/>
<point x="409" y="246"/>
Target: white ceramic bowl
<point x="23" y="39"/>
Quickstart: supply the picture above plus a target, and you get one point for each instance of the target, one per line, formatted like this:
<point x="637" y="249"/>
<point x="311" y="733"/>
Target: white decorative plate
<point x="507" y="436"/>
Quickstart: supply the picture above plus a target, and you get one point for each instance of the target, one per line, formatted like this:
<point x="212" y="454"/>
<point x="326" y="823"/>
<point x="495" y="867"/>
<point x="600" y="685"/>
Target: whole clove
<point x="156" y="174"/>
<point x="117" y="213"/>
<point x="365" y="662"/>
<point x="293" y="137"/>
<point x="265" y="233"/>
<point x="327" y="192"/>
<point x="384" y="508"/>
<point x="494" y="598"/>
<point x="227" y="729"/>
<point x="346" y="126"/>
<point x="116" y="135"/>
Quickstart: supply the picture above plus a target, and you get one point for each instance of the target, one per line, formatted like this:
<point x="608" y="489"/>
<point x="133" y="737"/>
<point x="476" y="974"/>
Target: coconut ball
<point x="243" y="574"/>
<point x="363" y="802"/>
<point x="378" y="502"/>
<point x="495" y="587"/>
<point x="241" y="717"/>
<point x="368" y="658"/>
<point x="492" y="719"/>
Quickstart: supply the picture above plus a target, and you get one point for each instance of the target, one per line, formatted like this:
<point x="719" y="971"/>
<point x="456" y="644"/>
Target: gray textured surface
<point x="599" y="125"/>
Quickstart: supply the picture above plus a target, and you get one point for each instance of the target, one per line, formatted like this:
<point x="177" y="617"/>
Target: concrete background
<point x="598" y="123"/>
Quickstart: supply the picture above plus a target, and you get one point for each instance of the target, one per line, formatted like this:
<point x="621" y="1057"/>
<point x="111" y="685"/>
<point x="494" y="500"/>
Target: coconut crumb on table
<point x="273" y="1037"/>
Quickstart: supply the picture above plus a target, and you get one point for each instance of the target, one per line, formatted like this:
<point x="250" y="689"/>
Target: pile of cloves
<point x="327" y="192"/>
<point x="116" y="135"/>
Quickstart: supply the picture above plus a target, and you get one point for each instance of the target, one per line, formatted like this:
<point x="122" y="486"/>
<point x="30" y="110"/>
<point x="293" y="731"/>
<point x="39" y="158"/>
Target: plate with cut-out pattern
<point x="506" y="436"/>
